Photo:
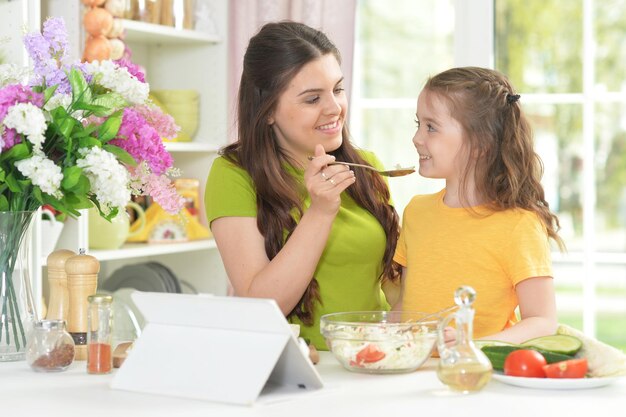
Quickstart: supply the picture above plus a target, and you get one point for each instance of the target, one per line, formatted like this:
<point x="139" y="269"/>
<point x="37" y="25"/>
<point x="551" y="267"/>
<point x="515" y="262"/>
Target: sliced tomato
<point x="525" y="362"/>
<point x="369" y="354"/>
<point x="573" y="368"/>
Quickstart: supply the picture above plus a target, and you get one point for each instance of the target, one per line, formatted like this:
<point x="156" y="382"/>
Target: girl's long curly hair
<point x="273" y="57"/>
<point x="507" y="172"/>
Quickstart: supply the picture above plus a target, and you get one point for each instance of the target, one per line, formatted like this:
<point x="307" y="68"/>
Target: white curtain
<point x="336" y="18"/>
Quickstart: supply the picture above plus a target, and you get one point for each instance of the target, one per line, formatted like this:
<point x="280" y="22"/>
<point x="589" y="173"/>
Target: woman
<point x="316" y="237"/>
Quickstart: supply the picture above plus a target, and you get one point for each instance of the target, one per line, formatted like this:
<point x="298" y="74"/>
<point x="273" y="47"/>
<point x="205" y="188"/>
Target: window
<point x="566" y="59"/>
<point x="397" y="48"/>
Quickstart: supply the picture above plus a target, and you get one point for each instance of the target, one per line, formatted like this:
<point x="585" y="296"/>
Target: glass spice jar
<point x="99" y="334"/>
<point x="50" y="347"/>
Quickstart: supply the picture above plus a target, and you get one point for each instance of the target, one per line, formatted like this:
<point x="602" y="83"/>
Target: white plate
<point x="555" y="383"/>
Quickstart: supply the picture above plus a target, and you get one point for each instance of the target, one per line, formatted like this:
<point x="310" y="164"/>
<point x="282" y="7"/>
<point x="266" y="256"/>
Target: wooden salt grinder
<point x="82" y="281"/>
<point x="59" y="301"/>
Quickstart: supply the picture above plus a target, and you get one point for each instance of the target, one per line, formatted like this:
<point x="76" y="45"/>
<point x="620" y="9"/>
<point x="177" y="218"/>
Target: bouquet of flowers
<point x="73" y="136"/>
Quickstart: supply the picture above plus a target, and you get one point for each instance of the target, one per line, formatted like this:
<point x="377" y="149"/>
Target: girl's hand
<point x="449" y="335"/>
<point x="325" y="183"/>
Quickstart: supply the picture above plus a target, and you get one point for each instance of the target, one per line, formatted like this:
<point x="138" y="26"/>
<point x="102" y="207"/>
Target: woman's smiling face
<point x="312" y="109"/>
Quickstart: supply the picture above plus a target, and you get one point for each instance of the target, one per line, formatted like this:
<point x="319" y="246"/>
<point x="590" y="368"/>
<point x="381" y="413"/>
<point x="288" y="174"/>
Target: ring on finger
<point x="324" y="177"/>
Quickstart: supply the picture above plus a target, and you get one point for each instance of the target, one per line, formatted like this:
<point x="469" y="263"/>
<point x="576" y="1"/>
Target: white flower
<point x="43" y="173"/>
<point x="29" y="120"/>
<point x="108" y="178"/>
<point x="119" y="80"/>
<point x="12" y="74"/>
<point x="58" y="100"/>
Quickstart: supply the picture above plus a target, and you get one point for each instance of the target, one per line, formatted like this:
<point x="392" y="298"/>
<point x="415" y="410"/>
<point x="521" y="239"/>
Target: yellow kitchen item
<point x="183" y="106"/>
<point x="182" y="136"/>
<point x="163" y="227"/>
<point x="188" y="188"/>
<point x="112" y="235"/>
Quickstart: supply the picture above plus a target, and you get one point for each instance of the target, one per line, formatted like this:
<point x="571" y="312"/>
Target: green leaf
<point x="80" y="88"/>
<point x="13" y="183"/>
<point x="89" y="142"/>
<point x="38" y="195"/>
<point x="17" y="152"/>
<point x="100" y="111"/>
<point x="108" y="130"/>
<point x="110" y="100"/>
<point x="78" y="201"/>
<point x="4" y="203"/>
<point x="83" y="187"/>
<point x="86" y="131"/>
<point x="66" y="126"/>
<point x="49" y="92"/>
<point x="121" y="154"/>
<point x="71" y="176"/>
<point x="2" y="175"/>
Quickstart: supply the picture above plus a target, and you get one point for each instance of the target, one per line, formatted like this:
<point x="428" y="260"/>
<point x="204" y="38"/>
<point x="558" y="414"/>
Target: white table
<point x="418" y="394"/>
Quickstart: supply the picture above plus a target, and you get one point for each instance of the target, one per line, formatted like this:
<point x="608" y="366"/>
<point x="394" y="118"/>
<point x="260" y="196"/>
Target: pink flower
<point x="17" y="93"/>
<point x="9" y="96"/>
<point x="10" y="138"/>
<point x="142" y="142"/>
<point x="163" y="123"/>
<point x="133" y="69"/>
<point x="159" y="187"/>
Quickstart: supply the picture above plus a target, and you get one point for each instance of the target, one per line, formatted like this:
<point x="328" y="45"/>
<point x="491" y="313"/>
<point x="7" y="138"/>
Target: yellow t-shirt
<point x="443" y="248"/>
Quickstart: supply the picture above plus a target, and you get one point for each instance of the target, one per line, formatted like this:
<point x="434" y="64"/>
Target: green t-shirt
<point x="351" y="263"/>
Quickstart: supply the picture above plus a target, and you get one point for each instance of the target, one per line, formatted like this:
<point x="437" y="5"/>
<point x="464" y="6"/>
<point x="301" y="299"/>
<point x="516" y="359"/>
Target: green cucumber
<point x="558" y="343"/>
<point x="482" y="343"/>
<point x="497" y="355"/>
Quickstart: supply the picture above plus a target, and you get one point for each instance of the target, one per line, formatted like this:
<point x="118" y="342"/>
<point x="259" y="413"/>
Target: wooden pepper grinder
<point x="58" y="304"/>
<point x="82" y="281"/>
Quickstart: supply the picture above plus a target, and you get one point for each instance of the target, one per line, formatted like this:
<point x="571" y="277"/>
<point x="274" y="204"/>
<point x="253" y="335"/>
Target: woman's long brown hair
<point x="507" y="172"/>
<point x="273" y="57"/>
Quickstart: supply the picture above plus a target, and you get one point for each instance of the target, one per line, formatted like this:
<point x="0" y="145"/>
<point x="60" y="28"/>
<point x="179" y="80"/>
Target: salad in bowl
<point x="380" y="342"/>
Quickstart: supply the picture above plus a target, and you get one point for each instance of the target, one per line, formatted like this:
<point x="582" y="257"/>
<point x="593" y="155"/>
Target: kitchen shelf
<point x="190" y="147"/>
<point x="138" y="250"/>
<point x="142" y="32"/>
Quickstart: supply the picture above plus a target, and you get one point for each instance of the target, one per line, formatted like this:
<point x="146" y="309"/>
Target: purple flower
<point x="56" y="35"/>
<point x="48" y="52"/>
<point x="142" y="142"/>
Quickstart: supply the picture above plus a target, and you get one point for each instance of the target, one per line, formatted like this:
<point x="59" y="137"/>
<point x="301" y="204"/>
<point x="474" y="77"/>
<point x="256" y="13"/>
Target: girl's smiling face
<point x="312" y="109"/>
<point x="438" y="140"/>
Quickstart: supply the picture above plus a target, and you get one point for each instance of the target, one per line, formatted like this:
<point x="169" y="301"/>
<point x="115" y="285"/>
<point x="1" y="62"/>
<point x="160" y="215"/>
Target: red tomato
<point x="525" y="362"/>
<point x="573" y="368"/>
<point x="369" y="354"/>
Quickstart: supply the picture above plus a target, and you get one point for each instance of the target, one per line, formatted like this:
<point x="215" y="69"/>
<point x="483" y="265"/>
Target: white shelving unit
<point x="173" y="59"/>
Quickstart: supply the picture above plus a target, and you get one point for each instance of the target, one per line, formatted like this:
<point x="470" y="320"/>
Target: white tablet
<point x="226" y="349"/>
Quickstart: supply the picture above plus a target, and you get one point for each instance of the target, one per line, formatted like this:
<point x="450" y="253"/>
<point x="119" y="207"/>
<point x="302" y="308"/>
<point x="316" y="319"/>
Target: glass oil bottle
<point x="462" y="366"/>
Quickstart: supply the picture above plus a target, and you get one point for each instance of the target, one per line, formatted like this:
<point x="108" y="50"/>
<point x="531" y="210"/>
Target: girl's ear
<point x="270" y="120"/>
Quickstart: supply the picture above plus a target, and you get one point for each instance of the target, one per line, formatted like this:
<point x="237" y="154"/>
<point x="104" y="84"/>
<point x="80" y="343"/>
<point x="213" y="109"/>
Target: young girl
<point x="490" y="226"/>
<point x="314" y="236"/>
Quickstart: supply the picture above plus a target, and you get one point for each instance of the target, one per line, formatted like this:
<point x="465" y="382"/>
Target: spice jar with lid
<point x="99" y="334"/>
<point x="50" y="347"/>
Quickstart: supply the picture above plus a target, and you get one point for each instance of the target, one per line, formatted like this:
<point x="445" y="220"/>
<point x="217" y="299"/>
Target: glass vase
<point x="17" y="307"/>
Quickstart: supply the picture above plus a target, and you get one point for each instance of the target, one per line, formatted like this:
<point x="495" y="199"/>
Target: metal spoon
<point x="398" y="172"/>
